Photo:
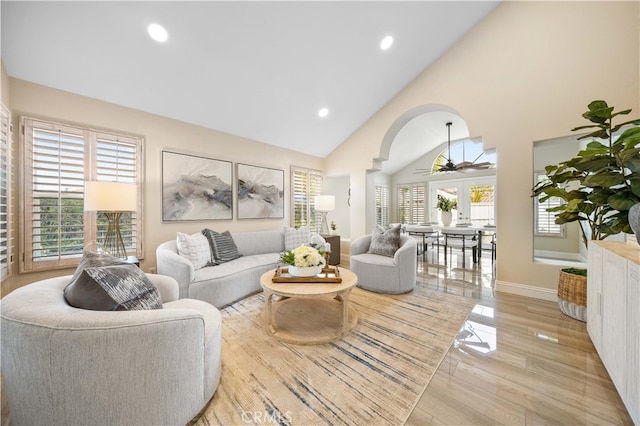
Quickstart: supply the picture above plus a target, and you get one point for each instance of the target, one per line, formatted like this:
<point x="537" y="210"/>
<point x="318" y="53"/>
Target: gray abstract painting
<point x="196" y="188"/>
<point x="260" y="192"/>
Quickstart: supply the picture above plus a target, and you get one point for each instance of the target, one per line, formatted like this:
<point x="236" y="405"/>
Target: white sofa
<point x="63" y="365"/>
<point x="228" y="282"/>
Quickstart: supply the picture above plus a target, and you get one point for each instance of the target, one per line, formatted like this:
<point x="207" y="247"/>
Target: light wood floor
<point x="517" y="361"/>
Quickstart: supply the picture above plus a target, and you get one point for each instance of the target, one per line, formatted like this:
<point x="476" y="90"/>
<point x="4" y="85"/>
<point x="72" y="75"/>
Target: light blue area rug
<point x="373" y="376"/>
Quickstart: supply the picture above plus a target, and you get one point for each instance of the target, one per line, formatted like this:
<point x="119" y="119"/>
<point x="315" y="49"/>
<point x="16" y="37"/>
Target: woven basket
<point x="572" y="295"/>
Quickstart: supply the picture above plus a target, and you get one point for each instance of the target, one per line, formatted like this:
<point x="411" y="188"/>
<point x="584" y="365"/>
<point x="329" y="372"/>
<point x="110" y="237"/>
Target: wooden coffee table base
<point x="309" y="321"/>
<point x="308" y="313"/>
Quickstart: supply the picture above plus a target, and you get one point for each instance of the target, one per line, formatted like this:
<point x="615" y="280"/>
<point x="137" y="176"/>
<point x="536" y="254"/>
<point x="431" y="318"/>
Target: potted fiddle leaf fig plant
<point x="597" y="188"/>
<point x="602" y="182"/>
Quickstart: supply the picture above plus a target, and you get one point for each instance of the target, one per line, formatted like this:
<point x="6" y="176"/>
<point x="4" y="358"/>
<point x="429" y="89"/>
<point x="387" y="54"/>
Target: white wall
<point x="525" y="73"/>
<point x="160" y="133"/>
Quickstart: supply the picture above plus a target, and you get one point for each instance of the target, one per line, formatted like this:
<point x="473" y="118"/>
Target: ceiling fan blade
<point x="463" y="165"/>
<point x="483" y="165"/>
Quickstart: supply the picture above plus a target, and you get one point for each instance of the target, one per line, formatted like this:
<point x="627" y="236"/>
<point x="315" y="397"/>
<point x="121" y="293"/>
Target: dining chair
<point x="461" y="238"/>
<point x="424" y="235"/>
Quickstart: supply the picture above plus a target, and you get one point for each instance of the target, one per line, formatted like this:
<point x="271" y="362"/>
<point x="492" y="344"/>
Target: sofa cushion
<point x="385" y="242"/>
<point x="296" y="237"/>
<point x="223" y="247"/>
<point x="195" y="248"/>
<point x="265" y="260"/>
<point x="259" y="242"/>
<point x="105" y="283"/>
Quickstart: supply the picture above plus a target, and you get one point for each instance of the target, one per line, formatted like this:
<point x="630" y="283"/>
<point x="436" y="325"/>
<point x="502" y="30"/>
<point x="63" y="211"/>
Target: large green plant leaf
<point x="594" y="163"/>
<point x="605" y="179"/>
<point x="567" y="217"/>
<point x="622" y="200"/>
<point x="630" y="136"/>
<point x="599" y="196"/>
<point x="635" y="185"/>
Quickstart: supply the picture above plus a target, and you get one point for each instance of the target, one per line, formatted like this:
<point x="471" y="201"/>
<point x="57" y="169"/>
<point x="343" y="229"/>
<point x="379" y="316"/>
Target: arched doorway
<point x="414" y="140"/>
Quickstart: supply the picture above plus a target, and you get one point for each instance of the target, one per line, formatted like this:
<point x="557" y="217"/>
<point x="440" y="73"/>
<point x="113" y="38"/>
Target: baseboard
<point x="559" y="255"/>
<point x="527" y="291"/>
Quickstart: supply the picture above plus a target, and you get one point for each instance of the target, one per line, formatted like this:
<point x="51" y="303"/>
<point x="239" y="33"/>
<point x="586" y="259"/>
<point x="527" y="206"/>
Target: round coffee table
<point x="309" y="313"/>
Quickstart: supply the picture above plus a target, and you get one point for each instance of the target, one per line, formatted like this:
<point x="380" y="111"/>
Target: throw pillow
<point x="105" y="283"/>
<point x="208" y="233"/>
<point x="223" y="247"/>
<point x="195" y="248"/>
<point x="296" y="237"/>
<point x="385" y="242"/>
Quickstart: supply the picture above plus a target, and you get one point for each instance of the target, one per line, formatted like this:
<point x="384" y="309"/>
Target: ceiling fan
<point x="462" y="166"/>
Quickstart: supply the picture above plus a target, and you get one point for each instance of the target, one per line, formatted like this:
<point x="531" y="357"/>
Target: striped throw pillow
<point x="224" y="249"/>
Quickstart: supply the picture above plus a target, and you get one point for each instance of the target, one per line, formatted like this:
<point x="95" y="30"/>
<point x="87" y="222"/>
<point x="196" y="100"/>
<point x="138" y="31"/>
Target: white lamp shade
<point x="325" y="203"/>
<point x="110" y="196"/>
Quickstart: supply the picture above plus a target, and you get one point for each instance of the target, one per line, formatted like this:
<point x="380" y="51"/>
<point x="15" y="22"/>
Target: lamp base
<point x="324" y="227"/>
<point x="113" y="243"/>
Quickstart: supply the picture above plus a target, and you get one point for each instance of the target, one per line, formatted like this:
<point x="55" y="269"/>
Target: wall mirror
<point x="554" y="243"/>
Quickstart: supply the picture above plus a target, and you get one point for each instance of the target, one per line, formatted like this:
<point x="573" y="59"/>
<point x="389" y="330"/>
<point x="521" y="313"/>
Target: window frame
<point x="96" y="165"/>
<point x="6" y="197"/>
<point x="416" y="204"/>
<point x="383" y="205"/>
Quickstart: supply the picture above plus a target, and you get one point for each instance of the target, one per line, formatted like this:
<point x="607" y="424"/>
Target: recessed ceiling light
<point x="386" y="42"/>
<point x="323" y="112"/>
<point x="158" y="33"/>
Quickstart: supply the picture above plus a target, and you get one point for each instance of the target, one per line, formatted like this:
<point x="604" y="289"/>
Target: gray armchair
<point x="383" y="274"/>
<point x="63" y="365"/>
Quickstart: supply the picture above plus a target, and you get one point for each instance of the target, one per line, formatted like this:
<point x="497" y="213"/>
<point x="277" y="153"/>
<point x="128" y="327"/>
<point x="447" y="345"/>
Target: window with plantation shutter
<point x="305" y="184"/>
<point x="382" y="205"/>
<point x="6" y="242"/>
<point x="411" y="203"/>
<point x="117" y="161"/>
<point x="57" y="160"/>
<point x="417" y="203"/>
<point x="545" y="222"/>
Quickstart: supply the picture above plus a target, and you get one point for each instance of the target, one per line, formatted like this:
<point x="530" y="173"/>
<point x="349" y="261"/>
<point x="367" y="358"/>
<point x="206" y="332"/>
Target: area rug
<point x="373" y="376"/>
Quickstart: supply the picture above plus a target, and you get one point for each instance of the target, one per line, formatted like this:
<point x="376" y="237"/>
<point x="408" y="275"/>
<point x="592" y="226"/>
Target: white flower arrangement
<point x="302" y="257"/>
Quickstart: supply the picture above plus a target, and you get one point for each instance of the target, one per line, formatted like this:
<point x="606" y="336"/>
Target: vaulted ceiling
<point x="261" y="70"/>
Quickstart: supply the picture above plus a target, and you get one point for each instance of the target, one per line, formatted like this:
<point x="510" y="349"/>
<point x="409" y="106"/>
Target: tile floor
<point x="516" y="361"/>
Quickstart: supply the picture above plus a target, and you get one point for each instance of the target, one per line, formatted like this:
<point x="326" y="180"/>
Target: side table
<point x="134" y="260"/>
<point x="334" y="240"/>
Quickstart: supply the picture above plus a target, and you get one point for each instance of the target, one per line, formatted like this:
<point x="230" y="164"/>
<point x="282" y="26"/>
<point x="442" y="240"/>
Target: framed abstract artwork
<point x="196" y="188"/>
<point x="260" y="192"/>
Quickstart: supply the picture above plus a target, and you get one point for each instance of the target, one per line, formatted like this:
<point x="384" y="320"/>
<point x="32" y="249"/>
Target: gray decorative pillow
<point x="294" y="238"/>
<point x="105" y="283"/>
<point x="195" y="248"/>
<point x="208" y="233"/>
<point x="223" y="247"/>
<point x="385" y="242"/>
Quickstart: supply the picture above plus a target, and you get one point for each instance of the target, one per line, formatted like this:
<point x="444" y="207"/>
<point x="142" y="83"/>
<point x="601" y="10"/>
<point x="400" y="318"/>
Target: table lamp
<point x="324" y="204"/>
<point x="112" y="199"/>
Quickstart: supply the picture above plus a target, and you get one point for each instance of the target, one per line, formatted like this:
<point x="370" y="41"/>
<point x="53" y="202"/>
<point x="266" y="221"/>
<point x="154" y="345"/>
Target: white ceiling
<point x="260" y="70"/>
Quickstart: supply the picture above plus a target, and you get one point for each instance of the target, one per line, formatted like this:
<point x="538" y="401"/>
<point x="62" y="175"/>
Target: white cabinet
<point x="613" y="315"/>
<point x="594" y="293"/>
<point x="633" y="341"/>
